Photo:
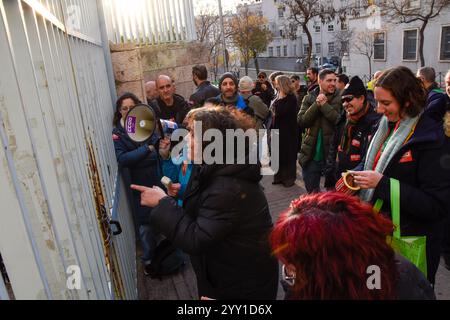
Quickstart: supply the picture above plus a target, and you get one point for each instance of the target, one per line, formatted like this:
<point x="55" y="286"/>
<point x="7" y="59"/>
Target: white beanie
<point x="246" y="84"/>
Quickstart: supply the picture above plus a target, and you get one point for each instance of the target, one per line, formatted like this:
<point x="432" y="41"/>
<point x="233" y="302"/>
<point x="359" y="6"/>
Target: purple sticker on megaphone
<point x="131" y="124"/>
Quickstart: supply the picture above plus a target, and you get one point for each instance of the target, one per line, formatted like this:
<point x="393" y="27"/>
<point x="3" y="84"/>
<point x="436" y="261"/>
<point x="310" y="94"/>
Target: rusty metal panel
<point x="58" y="169"/>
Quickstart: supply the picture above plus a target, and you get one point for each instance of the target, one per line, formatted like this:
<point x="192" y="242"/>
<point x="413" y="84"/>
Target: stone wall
<point x="133" y="66"/>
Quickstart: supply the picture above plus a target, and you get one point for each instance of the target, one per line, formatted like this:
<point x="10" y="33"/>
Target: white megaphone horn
<point x="140" y="123"/>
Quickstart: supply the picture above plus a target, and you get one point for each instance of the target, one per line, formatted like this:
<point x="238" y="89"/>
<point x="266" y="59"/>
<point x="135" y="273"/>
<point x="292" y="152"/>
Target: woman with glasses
<point x="409" y="146"/>
<point x="142" y="161"/>
<point x="333" y="247"/>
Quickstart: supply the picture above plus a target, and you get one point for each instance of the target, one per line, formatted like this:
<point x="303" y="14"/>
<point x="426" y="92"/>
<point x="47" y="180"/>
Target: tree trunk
<point x="370" y="66"/>
<point x="308" y="34"/>
<point x="421" y="41"/>
<point x="246" y="68"/>
<point x="255" y="59"/>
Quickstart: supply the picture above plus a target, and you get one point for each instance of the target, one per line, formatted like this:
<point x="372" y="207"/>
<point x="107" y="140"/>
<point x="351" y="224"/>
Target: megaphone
<point x="140" y="123"/>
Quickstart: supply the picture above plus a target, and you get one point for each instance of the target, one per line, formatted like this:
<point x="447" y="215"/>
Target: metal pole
<point x="3" y="292"/>
<point x="321" y="45"/>
<point x="225" y="60"/>
<point x="106" y="50"/>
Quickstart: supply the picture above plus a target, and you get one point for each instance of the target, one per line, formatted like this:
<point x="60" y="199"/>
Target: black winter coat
<point x="411" y="283"/>
<point x="143" y="165"/>
<point x="285" y="120"/>
<point x="351" y="154"/>
<point x="422" y="166"/>
<point x="436" y="105"/>
<point x="202" y="93"/>
<point x="266" y="95"/>
<point x="224" y="226"/>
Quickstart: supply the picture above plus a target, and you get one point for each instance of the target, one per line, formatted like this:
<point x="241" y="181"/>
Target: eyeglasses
<point x="347" y="99"/>
<point x="289" y="279"/>
<point x="126" y="109"/>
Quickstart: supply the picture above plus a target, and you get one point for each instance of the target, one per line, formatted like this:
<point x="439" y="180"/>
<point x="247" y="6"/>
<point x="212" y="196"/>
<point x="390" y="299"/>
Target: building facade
<point x="287" y="53"/>
<point x="398" y="44"/>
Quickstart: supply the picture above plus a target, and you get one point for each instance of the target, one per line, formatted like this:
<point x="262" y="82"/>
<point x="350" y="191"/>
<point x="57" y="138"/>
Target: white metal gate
<point x="58" y="172"/>
<point x="148" y="22"/>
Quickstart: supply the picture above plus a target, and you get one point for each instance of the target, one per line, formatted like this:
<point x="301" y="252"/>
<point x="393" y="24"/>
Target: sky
<point x="226" y="5"/>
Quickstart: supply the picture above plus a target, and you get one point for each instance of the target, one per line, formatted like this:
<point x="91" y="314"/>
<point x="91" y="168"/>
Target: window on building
<point x="318" y="47"/>
<point x="445" y="43"/>
<point x="379" y="46"/>
<point x="305" y="49"/>
<point x="285" y="51"/>
<point x="317" y="28"/>
<point x="330" y="28"/>
<point x="280" y="13"/>
<point x="294" y="50"/>
<point x="410" y="44"/>
<point x="331" y="47"/>
<point x="281" y="33"/>
<point x="278" y="51"/>
<point x="270" y="51"/>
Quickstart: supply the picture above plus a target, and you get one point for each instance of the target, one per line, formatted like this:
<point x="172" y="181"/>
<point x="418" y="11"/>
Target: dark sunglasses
<point x="347" y="99"/>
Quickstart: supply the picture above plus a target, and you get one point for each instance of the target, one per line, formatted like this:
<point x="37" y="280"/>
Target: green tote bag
<point x="412" y="248"/>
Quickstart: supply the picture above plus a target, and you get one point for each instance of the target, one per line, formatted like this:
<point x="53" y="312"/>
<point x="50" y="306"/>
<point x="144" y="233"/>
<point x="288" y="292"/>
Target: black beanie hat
<point x="228" y="75"/>
<point x="355" y="87"/>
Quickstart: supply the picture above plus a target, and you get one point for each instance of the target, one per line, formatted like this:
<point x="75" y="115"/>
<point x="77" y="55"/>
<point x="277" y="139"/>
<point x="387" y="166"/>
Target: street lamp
<point x="225" y="58"/>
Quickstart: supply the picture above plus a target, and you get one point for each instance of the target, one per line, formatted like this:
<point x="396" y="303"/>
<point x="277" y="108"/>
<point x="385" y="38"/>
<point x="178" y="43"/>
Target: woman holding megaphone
<point x="224" y="221"/>
<point x="142" y="161"/>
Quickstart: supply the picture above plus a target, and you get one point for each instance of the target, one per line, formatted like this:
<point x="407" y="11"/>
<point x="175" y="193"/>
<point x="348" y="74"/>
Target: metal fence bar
<point x="58" y="100"/>
<point x="3" y="292"/>
<point x="149" y="21"/>
<point x="58" y="154"/>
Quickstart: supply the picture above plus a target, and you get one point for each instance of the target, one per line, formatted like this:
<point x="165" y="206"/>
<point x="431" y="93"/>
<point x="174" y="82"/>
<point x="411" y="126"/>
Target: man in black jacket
<point x="312" y="73"/>
<point x="169" y="106"/>
<point x="204" y="89"/>
<point x="436" y="99"/>
<point x="263" y="89"/>
<point x="354" y="130"/>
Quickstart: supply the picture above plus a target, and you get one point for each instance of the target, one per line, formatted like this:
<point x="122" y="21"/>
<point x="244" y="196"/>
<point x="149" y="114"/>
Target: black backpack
<point x="167" y="260"/>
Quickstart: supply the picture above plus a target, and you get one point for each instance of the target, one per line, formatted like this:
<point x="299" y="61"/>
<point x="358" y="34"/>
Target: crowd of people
<point x="395" y="128"/>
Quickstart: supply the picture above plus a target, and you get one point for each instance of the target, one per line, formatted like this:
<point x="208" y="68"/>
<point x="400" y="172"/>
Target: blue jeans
<point x="311" y="175"/>
<point x="148" y="242"/>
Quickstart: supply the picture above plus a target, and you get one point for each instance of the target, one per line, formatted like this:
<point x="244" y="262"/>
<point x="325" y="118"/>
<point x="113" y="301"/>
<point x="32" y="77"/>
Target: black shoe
<point x="148" y="270"/>
<point x="288" y="184"/>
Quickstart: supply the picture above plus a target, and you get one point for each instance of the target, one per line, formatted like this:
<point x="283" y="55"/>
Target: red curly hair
<point x="331" y="238"/>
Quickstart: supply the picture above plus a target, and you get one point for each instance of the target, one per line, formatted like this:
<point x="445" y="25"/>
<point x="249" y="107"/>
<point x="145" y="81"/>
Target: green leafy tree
<point x="250" y="35"/>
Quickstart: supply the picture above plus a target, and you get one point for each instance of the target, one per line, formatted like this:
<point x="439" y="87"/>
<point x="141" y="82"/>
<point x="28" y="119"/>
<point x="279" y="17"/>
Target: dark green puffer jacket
<point x="312" y="117"/>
